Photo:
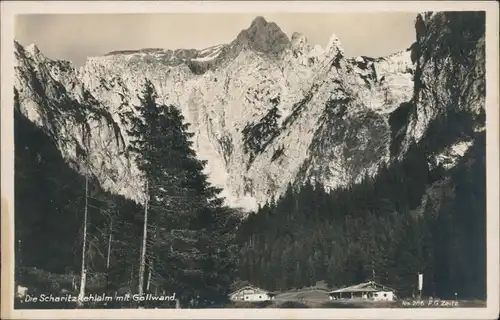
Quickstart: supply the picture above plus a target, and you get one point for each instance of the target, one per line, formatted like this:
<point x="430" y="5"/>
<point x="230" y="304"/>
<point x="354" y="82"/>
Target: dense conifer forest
<point x="410" y="219"/>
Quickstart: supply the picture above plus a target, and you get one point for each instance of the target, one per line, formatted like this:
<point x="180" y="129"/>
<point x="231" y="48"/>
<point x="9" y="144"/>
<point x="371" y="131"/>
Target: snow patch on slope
<point x="450" y="156"/>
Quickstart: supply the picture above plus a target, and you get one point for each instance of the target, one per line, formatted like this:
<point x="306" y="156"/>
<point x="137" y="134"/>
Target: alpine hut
<point x="251" y="293"/>
<point x="370" y="291"/>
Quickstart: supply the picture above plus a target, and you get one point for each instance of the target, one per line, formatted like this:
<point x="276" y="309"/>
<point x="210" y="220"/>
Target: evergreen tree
<point x="192" y="241"/>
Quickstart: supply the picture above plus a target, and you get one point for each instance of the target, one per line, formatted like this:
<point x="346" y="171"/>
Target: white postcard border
<point x="11" y="8"/>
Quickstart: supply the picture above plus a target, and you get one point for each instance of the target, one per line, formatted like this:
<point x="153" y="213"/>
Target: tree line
<point x="408" y="219"/>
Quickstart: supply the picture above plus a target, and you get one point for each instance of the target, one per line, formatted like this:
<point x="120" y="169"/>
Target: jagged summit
<point x="298" y="37"/>
<point x="258" y="21"/>
<point x="261" y="25"/>
<point x="263" y="36"/>
<point x="334" y="45"/>
<point x="17" y="45"/>
<point x="31" y="48"/>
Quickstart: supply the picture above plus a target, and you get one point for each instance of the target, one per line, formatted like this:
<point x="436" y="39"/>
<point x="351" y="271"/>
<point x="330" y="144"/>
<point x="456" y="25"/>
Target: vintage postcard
<point x="306" y="160"/>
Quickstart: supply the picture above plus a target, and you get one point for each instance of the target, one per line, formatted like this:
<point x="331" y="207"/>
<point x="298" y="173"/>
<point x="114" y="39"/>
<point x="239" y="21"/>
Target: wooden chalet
<point x="251" y="293"/>
<point x="369" y="291"/>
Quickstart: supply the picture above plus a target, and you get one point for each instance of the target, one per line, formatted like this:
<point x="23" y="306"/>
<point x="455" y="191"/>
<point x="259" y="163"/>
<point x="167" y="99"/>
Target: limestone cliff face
<point x="448" y="103"/>
<point x="266" y="109"/>
<point x="50" y="95"/>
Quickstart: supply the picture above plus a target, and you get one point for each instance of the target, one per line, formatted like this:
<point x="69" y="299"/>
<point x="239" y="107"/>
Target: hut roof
<point x="370" y="286"/>
<point x="257" y="290"/>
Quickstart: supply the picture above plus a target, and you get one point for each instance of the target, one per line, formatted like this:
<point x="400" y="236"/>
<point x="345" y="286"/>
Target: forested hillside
<point x="409" y="219"/>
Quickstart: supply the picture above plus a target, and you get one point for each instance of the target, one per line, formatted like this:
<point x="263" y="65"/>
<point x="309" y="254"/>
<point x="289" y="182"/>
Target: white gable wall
<point x="251" y="293"/>
<point x="383" y="296"/>
<point x="257" y="297"/>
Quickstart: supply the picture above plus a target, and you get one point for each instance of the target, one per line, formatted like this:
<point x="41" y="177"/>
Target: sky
<point x="75" y="37"/>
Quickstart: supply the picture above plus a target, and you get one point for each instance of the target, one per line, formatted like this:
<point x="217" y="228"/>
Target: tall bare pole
<point x="109" y="241"/>
<point x="142" y="264"/>
<point x="373" y="270"/>
<point x="83" y="277"/>
<point x="149" y="277"/>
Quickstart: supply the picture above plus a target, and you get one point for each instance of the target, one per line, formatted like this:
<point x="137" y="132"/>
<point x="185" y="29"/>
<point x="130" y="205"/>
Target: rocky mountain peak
<point x="334" y="46"/>
<point x="31" y="50"/>
<point x="263" y="36"/>
<point x="298" y="38"/>
<point x="258" y="22"/>
<point x="17" y="46"/>
<point x="34" y="51"/>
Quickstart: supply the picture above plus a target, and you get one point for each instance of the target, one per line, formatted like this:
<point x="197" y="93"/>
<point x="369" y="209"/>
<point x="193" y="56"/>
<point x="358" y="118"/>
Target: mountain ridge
<point x="260" y="120"/>
<point x="261" y="36"/>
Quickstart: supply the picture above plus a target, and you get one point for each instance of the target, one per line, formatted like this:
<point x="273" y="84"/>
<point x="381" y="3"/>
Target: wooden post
<point x="83" y="277"/>
<point x="150" y="265"/>
<point x="373" y="270"/>
<point x="143" y="250"/>
<point x="420" y="284"/>
<point x="109" y="242"/>
<point x="149" y="277"/>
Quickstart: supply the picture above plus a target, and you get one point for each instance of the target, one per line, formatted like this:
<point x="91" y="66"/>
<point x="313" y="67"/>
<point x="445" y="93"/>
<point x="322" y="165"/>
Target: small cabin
<point x="370" y="291"/>
<point x="251" y="293"/>
<point x="21" y="291"/>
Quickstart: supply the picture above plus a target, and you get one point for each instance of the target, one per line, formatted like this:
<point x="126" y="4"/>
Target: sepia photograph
<point x="193" y="160"/>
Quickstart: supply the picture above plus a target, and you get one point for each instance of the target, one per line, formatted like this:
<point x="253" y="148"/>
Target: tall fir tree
<point x="190" y="249"/>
